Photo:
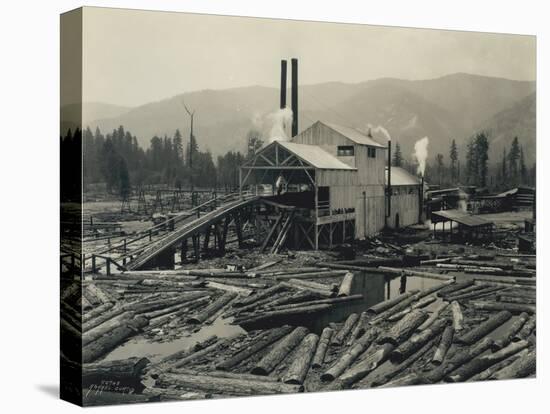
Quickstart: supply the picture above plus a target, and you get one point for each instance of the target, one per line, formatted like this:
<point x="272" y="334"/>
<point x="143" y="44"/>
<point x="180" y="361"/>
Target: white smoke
<point x="277" y="124"/>
<point x="421" y="154"/>
<point x="379" y="129"/>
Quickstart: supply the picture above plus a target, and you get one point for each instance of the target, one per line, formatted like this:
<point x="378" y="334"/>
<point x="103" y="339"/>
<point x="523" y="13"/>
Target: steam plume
<point x="379" y="129"/>
<point x="421" y="154"/>
<point x="277" y="122"/>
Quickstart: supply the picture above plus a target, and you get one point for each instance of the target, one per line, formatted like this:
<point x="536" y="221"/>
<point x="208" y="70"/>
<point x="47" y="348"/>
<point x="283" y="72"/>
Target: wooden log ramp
<point x="203" y="315"/>
<point x="226" y="386"/>
<point x="300" y="365"/>
<point x="279" y="351"/>
<point x="262" y="342"/>
<point x="484" y="329"/>
<point x="483" y="362"/>
<point x="350" y="355"/>
<point x="324" y="341"/>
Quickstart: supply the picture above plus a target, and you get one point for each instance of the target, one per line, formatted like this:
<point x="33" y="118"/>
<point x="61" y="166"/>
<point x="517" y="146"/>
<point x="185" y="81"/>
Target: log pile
<point x="470" y="330"/>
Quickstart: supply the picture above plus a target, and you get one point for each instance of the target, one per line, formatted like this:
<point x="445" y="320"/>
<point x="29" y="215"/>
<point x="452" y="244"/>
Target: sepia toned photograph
<point x="255" y="206"/>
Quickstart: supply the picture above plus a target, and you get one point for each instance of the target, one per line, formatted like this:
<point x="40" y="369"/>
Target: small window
<point x="371" y="152"/>
<point x="345" y="151"/>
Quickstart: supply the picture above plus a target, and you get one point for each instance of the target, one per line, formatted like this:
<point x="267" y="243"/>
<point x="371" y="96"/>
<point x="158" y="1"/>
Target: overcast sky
<point x="135" y="57"/>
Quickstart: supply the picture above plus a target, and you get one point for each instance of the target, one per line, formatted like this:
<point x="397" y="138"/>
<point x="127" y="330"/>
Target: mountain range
<point x="450" y="107"/>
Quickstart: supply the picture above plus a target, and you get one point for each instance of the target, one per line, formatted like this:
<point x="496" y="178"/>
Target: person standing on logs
<point x="279" y="184"/>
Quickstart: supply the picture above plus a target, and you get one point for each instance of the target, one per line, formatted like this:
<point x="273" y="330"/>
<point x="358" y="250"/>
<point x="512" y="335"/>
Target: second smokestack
<point x="283" y="84"/>
<point x="294" y="97"/>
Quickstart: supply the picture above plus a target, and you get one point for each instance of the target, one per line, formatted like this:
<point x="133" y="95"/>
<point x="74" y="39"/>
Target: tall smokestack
<point x="388" y="188"/>
<point x="421" y="199"/>
<point x="283" y="84"/>
<point x="294" y="97"/>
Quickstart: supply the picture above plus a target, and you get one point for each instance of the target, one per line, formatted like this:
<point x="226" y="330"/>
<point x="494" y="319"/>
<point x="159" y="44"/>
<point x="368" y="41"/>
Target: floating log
<point x="260" y="295"/>
<point x="350" y="355"/>
<point x="168" y="394"/>
<point x="345" y="286"/>
<point x="460" y="358"/>
<point x="262" y="342"/>
<point x="319" y="357"/>
<point x="279" y="351"/>
<point x="444" y="345"/>
<point x="455" y="287"/>
<point x="387" y="304"/>
<point x="209" y="350"/>
<point x="477" y="292"/>
<point x="294" y="298"/>
<point x="410" y="379"/>
<point x="211" y="309"/>
<point x="264" y="265"/>
<point x="422" y="303"/>
<point x="309" y="275"/>
<point x="433" y="317"/>
<point x="99" y="293"/>
<point x="299" y="367"/>
<point x="253" y="307"/>
<point x="407" y="302"/>
<point x="225" y="374"/>
<point x="482" y="362"/>
<point x="101" y="318"/>
<point x="361" y="369"/>
<point x="313" y="287"/>
<point x="359" y="329"/>
<point x="346" y="329"/>
<point x="383" y="378"/>
<point x="125" y="370"/>
<point x="145" y="307"/>
<point x="417" y="341"/>
<point x="516" y="299"/>
<point x="524" y="366"/>
<point x="488" y="373"/>
<point x="330" y="301"/>
<point x="227" y="386"/>
<point x="485" y="328"/>
<point x="400" y="331"/>
<point x="230" y="288"/>
<point x="100" y="330"/>
<point x="417" y="273"/>
<point x="279" y="315"/>
<point x="514" y="308"/>
<point x="512" y="330"/>
<point x="458" y="318"/>
<point x="526" y="330"/>
<point x="112" y="339"/>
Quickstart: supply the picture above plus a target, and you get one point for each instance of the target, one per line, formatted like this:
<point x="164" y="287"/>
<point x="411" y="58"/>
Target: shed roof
<point x="400" y="176"/>
<point x="461" y="217"/>
<point x="353" y="134"/>
<point x="315" y="156"/>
